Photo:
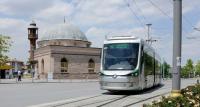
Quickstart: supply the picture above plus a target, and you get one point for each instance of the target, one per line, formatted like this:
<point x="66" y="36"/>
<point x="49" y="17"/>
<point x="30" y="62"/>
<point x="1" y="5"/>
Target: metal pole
<point x="177" y="39"/>
<point x="148" y="36"/>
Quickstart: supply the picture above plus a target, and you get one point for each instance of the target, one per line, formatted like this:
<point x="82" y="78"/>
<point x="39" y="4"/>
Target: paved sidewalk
<point x="14" y="81"/>
<point x="122" y="99"/>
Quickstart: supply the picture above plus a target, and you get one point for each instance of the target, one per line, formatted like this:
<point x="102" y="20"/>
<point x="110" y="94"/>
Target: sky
<point x="101" y="18"/>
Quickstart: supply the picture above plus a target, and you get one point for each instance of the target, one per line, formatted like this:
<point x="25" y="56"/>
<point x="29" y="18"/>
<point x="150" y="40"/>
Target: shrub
<point x="190" y="98"/>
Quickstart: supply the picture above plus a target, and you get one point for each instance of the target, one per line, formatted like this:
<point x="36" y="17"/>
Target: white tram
<point x="129" y="63"/>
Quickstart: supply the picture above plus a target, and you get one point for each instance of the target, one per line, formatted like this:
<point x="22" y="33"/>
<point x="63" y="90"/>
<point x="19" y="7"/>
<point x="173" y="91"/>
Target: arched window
<point x="64" y="65"/>
<point x="91" y="66"/>
<point x="42" y="66"/>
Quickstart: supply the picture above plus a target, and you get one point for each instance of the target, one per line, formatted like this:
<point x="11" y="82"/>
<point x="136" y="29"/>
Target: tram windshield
<point x="120" y="56"/>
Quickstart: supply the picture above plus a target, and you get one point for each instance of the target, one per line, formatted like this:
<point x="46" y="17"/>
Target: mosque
<point x="64" y="52"/>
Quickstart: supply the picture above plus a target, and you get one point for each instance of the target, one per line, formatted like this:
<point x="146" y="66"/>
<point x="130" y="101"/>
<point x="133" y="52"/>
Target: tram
<point x="129" y="63"/>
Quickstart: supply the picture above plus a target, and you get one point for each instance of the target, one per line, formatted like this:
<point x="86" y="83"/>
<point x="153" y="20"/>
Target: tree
<point x="197" y="68"/>
<point x="5" y="44"/>
<point x="166" y="68"/>
<point x="188" y="69"/>
<point x="184" y="72"/>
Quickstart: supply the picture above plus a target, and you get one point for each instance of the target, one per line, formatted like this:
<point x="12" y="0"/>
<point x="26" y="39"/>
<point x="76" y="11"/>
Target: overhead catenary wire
<point x="156" y="6"/>
<point x="189" y="23"/>
<point x="184" y="17"/>
<point x="163" y="12"/>
<point x="145" y="19"/>
<point x="135" y="15"/>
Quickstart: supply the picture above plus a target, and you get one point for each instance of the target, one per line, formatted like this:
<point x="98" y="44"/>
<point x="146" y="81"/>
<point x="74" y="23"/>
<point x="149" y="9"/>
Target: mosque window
<point x="64" y="65"/>
<point x="91" y="66"/>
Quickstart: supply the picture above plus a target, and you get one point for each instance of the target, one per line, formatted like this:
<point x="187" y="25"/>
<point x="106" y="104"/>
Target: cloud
<point x="102" y="12"/>
<point x="17" y="30"/>
<point x="97" y="18"/>
<point x="13" y="27"/>
<point x="55" y="13"/>
<point x="22" y="8"/>
<point x="98" y="35"/>
<point x="190" y="49"/>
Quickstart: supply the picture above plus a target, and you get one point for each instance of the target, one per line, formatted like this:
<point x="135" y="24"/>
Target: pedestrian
<point x="19" y="75"/>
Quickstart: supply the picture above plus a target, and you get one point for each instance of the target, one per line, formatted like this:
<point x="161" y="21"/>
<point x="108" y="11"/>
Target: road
<point x="25" y="94"/>
<point x="76" y="94"/>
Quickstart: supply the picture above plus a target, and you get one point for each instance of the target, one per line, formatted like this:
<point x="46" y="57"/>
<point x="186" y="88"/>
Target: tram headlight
<point x="135" y="74"/>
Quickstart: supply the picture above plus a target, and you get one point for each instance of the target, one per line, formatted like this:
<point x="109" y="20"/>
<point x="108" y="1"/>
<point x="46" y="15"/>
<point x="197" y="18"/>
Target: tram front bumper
<point x="119" y="83"/>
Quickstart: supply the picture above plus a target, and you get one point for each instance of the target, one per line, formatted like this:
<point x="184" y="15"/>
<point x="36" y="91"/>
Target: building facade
<point x="16" y="65"/>
<point x="64" y="52"/>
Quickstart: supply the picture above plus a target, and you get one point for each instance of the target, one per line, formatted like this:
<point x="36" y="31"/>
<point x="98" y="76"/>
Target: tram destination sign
<point x="119" y="46"/>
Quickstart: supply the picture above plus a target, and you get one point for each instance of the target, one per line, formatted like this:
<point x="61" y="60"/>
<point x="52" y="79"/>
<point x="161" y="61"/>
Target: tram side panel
<point x="148" y="68"/>
<point x="158" y="70"/>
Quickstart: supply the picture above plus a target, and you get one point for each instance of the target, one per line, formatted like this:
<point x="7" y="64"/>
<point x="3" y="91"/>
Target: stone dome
<point x="64" y="31"/>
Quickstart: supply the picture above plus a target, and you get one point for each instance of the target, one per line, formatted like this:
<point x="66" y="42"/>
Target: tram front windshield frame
<point x="120" y="56"/>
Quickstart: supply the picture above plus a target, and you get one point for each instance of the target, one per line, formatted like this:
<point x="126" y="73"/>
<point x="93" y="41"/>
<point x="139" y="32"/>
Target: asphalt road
<point x="26" y="94"/>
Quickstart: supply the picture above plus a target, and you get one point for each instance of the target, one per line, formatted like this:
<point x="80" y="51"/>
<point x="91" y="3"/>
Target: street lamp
<point x="148" y="25"/>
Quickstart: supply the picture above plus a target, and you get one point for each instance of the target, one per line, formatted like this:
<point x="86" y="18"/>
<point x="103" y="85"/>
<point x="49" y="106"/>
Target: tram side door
<point x="145" y="66"/>
<point x="143" y="83"/>
<point x="148" y="68"/>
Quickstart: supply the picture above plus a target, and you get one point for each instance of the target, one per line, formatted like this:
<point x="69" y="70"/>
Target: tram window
<point x="122" y="56"/>
<point x="148" y="64"/>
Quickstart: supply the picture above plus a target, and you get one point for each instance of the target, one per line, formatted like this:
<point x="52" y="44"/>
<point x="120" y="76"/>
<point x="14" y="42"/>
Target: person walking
<point x="19" y="75"/>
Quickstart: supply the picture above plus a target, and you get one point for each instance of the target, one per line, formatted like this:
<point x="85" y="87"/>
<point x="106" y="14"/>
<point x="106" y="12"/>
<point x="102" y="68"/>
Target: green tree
<point x="188" y="69"/>
<point x="184" y="72"/>
<point x="166" y="68"/>
<point x="197" y="68"/>
<point x="5" y="44"/>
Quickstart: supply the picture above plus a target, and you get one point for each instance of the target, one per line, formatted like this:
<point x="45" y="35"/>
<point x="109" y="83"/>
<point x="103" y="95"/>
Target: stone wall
<point x="75" y="76"/>
<point x="77" y="58"/>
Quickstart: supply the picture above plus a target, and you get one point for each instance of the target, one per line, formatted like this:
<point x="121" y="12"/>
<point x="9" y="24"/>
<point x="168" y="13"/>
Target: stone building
<point x="65" y="52"/>
<point x="16" y="65"/>
<point x="10" y="69"/>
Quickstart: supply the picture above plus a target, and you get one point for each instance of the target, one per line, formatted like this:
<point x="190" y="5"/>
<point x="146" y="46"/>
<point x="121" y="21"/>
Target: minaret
<point x="32" y="36"/>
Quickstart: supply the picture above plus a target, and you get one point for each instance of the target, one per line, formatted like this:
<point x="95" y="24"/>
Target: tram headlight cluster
<point x="110" y="84"/>
<point x="134" y="74"/>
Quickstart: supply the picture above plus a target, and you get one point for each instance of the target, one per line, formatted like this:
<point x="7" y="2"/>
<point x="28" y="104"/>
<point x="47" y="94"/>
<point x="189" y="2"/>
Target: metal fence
<point x="57" y="78"/>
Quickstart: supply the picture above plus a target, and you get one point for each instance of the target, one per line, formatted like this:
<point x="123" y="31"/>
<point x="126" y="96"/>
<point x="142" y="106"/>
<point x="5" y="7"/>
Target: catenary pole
<point x="177" y="41"/>
<point x="148" y="36"/>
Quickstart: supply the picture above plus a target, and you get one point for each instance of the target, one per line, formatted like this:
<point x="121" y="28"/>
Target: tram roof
<point x="123" y="39"/>
<point x="129" y="39"/>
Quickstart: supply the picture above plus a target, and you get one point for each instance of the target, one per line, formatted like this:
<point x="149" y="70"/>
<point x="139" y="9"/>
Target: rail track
<point x="112" y="100"/>
<point x="107" y="101"/>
